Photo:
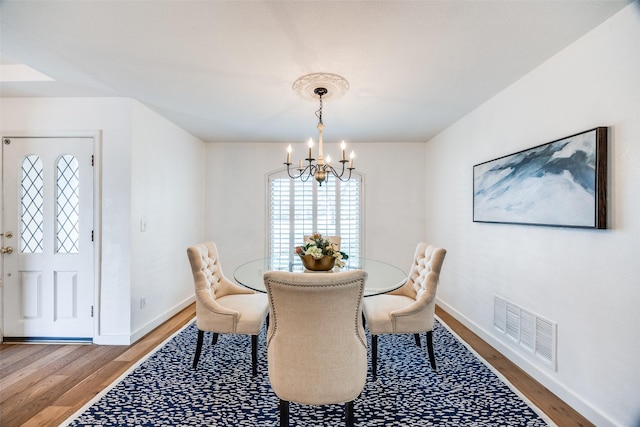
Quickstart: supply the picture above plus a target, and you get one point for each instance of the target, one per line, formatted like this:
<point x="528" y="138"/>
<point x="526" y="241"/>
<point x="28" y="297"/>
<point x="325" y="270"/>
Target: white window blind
<point x="299" y="208"/>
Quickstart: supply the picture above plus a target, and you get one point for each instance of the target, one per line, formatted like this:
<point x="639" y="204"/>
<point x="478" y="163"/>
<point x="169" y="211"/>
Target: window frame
<point x="282" y="173"/>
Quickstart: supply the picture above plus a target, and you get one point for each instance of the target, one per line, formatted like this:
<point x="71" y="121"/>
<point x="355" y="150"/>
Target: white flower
<point x="315" y="252"/>
<point x="339" y="261"/>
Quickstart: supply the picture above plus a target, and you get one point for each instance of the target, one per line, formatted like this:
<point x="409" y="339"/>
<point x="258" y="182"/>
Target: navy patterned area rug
<point x="164" y="390"/>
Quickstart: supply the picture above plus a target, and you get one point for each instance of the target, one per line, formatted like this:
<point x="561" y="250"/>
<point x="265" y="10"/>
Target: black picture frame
<point x="562" y="183"/>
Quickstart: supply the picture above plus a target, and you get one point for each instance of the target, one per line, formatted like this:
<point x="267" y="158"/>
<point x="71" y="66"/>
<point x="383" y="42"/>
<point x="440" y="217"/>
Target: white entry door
<point x="48" y="210"/>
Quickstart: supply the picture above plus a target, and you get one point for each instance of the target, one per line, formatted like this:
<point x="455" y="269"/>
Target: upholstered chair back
<point x="316" y="344"/>
<point x="211" y="285"/>
<point x="421" y="285"/>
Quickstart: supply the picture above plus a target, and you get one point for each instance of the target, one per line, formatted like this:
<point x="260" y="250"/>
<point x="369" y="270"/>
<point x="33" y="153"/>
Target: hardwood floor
<point x="42" y="385"/>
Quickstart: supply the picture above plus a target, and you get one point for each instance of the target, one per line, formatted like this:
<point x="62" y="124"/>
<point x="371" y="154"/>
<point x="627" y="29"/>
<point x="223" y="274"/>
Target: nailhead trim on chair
<point x="274" y="315"/>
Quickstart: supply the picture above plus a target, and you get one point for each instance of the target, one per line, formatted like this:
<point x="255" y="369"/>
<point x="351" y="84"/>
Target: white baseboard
<point x="112" y="340"/>
<point x="145" y="329"/>
<point x="585" y="409"/>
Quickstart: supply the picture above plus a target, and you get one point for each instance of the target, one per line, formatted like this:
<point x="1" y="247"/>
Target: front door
<point x="48" y="212"/>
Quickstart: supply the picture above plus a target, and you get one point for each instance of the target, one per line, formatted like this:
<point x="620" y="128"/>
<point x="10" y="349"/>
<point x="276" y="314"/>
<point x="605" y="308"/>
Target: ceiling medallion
<point x="306" y="85"/>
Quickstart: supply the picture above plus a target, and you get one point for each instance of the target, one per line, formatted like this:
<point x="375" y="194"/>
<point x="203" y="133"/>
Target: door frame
<point x="96" y="135"/>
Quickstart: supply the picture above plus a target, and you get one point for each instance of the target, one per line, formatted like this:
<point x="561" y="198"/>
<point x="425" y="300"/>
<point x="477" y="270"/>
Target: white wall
<point x="149" y="167"/>
<point x="588" y="281"/>
<point x="236" y="207"/>
<point x="167" y="193"/>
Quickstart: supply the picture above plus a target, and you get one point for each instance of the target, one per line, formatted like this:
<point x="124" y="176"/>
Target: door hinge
<point x="92" y="160"/>
<point x="91" y="311"/>
<point x="92" y="235"/>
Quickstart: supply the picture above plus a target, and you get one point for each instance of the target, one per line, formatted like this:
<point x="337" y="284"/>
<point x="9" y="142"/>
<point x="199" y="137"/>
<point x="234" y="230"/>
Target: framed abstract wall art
<point x="562" y="183"/>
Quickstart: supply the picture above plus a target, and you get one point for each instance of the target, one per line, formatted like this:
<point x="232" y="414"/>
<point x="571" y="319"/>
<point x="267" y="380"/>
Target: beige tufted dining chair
<point x="316" y="344"/>
<point x="223" y="307"/>
<point x="411" y="308"/>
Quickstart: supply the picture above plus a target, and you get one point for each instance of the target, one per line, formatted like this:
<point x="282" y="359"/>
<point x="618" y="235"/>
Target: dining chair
<point x="411" y="308"/>
<point x="316" y="344"/>
<point x="222" y="306"/>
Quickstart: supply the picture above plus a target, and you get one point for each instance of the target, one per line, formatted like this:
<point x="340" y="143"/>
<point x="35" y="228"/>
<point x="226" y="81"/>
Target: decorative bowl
<point x="323" y="264"/>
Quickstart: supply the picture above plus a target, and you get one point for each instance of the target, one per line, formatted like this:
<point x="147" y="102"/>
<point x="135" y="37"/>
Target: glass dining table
<point x="381" y="277"/>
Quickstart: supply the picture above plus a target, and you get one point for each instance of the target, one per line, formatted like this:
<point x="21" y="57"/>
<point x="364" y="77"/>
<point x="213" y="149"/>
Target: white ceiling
<point x="223" y="70"/>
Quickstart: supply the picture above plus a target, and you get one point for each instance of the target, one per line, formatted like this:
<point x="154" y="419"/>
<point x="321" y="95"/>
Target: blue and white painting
<point x="552" y="184"/>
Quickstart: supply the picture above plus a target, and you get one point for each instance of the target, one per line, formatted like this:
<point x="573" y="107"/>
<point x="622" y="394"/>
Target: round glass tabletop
<point x="382" y="277"/>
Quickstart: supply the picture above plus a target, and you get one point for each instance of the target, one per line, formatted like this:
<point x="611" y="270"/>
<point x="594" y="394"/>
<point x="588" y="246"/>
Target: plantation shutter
<point x="299" y="208"/>
<point x="350" y="219"/>
<point x="280" y="203"/>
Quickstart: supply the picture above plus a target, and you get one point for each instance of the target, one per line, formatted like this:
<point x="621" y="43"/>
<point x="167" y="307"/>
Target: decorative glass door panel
<point x="67" y="204"/>
<point x="31" y="205"/>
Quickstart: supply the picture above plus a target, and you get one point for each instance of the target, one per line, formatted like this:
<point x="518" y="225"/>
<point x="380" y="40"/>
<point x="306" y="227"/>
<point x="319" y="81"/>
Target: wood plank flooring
<point x="42" y="385"/>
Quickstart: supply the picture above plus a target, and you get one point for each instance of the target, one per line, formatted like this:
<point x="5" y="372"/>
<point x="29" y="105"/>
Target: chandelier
<point x="320" y="169"/>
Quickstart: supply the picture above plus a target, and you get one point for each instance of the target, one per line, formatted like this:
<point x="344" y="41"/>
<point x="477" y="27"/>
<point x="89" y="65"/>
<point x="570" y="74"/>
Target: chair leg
<point x="196" y="357"/>
<point x="417" y="338"/>
<point x="432" y="357"/>
<point x="254" y="355"/>
<point x="348" y="414"/>
<point x="284" y="413"/>
<point x="374" y="356"/>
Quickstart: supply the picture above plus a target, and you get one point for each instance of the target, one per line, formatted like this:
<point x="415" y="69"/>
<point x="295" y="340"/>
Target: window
<point x="299" y="208"/>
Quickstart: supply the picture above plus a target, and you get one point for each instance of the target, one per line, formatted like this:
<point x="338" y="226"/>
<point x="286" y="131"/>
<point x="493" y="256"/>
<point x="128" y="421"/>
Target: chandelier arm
<point x="341" y="174"/>
<point x="333" y="170"/>
<point x="347" y="178"/>
<point x="304" y="174"/>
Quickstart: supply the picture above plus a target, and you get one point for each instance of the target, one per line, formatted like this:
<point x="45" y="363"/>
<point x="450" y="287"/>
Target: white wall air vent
<point x="513" y="321"/>
<point x="500" y="314"/>
<point x="527" y="330"/>
<point x="531" y="332"/>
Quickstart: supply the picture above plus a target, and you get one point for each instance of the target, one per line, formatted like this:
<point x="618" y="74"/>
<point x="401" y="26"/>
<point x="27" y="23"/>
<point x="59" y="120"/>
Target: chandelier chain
<point x="320" y="91"/>
<point x="319" y="112"/>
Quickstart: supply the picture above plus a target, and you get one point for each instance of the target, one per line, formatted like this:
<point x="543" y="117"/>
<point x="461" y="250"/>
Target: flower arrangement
<point x="318" y="247"/>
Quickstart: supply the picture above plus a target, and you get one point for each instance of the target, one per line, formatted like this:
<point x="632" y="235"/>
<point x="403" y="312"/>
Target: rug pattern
<point x="165" y="391"/>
